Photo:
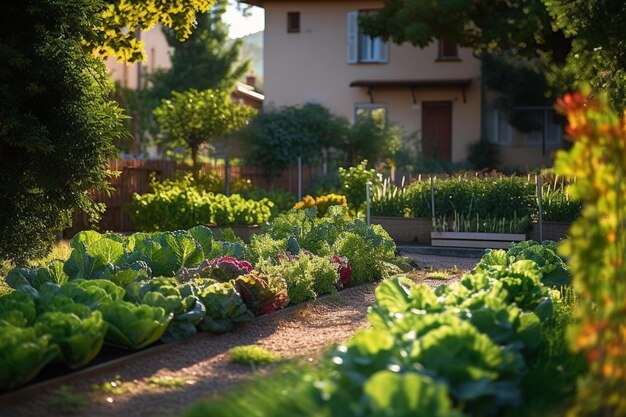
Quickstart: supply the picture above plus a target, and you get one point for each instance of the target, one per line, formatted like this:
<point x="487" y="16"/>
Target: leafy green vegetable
<point x="407" y="395"/>
<point x="79" y="339"/>
<point x="18" y="309"/>
<point x="133" y="326"/>
<point x="22" y="354"/>
<point x="168" y="294"/>
<point x="262" y="294"/>
<point x="224" y="308"/>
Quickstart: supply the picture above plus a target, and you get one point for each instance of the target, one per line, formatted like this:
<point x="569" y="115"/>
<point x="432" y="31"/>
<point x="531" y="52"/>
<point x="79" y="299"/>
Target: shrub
<point x="322" y="203"/>
<point x="173" y="205"/>
<point x="353" y="181"/>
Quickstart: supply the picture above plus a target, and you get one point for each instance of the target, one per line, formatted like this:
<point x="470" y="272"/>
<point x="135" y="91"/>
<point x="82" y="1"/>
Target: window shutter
<point x="384" y="51"/>
<point x="352" y="51"/>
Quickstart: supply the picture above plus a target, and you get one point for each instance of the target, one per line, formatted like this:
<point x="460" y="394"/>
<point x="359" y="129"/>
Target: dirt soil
<point x="165" y="383"/>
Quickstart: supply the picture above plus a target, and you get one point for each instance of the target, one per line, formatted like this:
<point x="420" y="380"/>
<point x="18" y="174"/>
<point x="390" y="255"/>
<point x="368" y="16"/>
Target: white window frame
<point x="497" y="138"/>
<point x="362" y="48"/>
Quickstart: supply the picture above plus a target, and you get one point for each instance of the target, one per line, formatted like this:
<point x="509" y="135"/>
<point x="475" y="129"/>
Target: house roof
<point x="461" y="83"/>
<point x="248" y="91"/>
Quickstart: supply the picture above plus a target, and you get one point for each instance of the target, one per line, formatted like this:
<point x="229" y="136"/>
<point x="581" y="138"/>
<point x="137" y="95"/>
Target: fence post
<point x="368" y="202"/>
<point x="432" y="197"/>
<point x="299" y="178"/>
<point x="227" y="175"/>
<point x="540" y="205"/>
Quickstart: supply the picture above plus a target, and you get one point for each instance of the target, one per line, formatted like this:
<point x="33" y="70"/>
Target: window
<point x="361" y="47"/>
<point x="293" y="22"/>
<point x="376" y="111"/>
<point x="448" y="50"/>
<point x="538" y="121"/>
<point x="499" y="129"/>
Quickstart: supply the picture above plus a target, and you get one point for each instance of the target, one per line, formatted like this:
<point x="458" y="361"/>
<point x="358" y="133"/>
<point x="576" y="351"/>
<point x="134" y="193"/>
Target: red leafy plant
<point x="262" y="294"/>
<point x="345" y="271"/>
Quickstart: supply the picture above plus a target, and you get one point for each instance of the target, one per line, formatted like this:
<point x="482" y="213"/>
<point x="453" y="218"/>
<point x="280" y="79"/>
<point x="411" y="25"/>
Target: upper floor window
<point x="363" y="48"/>
<point x="293" y="22"/>
<point x="448" y="50"/>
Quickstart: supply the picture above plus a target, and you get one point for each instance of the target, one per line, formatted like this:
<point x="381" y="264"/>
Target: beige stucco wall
<point x="525" y="158"/>
<point x="311" y="66"/>
<point x="157" y="56"/>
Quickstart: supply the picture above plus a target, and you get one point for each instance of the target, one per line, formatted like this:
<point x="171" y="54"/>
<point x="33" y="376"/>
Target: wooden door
<point x="437" y="130"/>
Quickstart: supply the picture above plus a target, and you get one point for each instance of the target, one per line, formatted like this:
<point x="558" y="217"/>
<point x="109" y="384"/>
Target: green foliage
<point x="175" y="205"/>
<point x="558" y="206"/>
<point x="134" y="326"/>
<point x="263" y="246"/>
<point x="224" y="308"/>
<point x="372" y="138"/>
<point x="353" y="181"/>
<point x="262" y="294"/>
<point x="298" y="274"/>
<point x="22" y="354"/>
<point x="595" y="249"/>
<point x="194" y="117"/>
<point x="204" y="60"/>
<point x="110" y="35"/>
<point x="483" y="155"/>
<point x="252" y="355"/>
<point x="276" y="138"/>
<point x="79" y="338"/>
<point x="283" y="200"/>
<point x="57" y="126"/>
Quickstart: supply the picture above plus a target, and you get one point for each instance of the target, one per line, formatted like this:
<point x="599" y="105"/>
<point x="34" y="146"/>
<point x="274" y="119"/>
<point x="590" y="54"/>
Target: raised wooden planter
<point x="243" y="232"/>
<point x="475" y="240"/>
<point x="406" y="230"/>
<point x="551" y="231"/>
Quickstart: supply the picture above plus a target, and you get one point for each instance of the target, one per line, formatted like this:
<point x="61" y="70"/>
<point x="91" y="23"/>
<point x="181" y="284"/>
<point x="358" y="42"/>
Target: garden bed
<point x="475" y="240"/>
<point x="405" y="230"/>
<point x="551" y="231"/>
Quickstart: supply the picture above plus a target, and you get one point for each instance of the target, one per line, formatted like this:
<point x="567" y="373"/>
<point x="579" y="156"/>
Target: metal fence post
<point x="432" y="197"/>
<point x="368" y="202"/>
<point x="227" y="176"/>
<point x="540" y="205"/>
<point x="299" y="178"/>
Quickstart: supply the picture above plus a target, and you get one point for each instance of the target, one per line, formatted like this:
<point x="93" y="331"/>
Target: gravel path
<point x="199" y="367"/>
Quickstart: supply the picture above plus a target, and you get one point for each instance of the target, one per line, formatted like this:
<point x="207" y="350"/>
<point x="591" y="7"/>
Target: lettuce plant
<point x="224" y="308"/>
<point x="79" y="338"/>
<point x="180" y="300"/>
<point x="17" y="308"/>
<point x="22" y="354"/>
<point x="226" y="268"/>
<point x="262" y="294"/>
<point x="134" y="326"/>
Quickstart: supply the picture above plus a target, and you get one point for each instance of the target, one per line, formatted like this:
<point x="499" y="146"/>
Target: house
<point x="315" y="53"/>
<point x="158" y="57"/>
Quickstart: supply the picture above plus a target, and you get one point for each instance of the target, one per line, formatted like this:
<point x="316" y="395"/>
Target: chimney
<point x="251" y="80"/>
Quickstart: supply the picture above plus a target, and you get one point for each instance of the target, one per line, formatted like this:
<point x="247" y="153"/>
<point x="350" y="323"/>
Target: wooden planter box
<point x="551" y="231"/>
<point x="405" y="230"/>
<point x="243" y="232"/>
<point x="475" y="240"/>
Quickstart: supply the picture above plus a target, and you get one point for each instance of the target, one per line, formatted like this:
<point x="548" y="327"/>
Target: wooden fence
<point x="134" y="177"/>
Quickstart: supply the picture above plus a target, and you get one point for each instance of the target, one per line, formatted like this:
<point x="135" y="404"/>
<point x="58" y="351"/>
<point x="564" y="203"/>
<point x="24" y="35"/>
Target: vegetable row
<point x="458" y="350"/>
<point x="132" y="291"/>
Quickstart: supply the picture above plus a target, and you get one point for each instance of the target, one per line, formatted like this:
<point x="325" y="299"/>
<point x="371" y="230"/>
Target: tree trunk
<point x="194" y="162"/>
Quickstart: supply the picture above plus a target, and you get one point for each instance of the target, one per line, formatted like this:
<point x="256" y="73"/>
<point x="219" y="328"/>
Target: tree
<point x="204" y="60"/>
<point x="57" y="121"/>
<point x="194" y="117"/>
<point x="276" y="138"/>
<point x="371" y="138"/>
<point x="569" y="42"/>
